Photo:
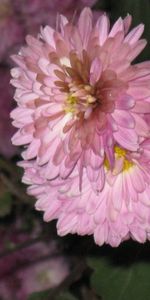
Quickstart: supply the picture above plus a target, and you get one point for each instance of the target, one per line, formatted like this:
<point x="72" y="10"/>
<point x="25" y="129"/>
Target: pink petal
<point x="134" y="34"/>
<point x="138" y="180"/>
<point x="137" y="49"/>
<point x="117" y="196"/>
<point x="118" y="26"/>
<point x="85" y="25"/>
<point x="103" y="28"/>
<point x="125" y="102"/>
<point x="123" y="118"/>
<point x="95" y="71"/>
<point x="127" y="23"/>
<point x="127" y="138"/>
<point x="141" y="107"/>
<point x="32" y="150"/>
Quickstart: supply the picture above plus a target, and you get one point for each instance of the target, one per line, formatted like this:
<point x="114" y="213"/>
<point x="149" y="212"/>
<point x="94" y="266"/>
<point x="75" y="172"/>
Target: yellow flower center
<point x="70" y="105"/>
<point x="120" y="153"/>
<point x="80" y="100"/>
<point x="127" y="165"/>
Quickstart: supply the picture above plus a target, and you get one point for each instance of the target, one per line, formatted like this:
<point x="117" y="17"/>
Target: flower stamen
<point x="120" y="154"/>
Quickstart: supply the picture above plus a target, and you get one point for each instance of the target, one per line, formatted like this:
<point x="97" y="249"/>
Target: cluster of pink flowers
<point x="17" y="18"/>
<point x="32" y="269"/>
<point x="83" y="116"/>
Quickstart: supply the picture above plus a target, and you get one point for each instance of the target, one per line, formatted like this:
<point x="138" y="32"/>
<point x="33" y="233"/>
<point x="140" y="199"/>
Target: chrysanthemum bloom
<point x="78" y="94"/>
<point x="120" y="211"/>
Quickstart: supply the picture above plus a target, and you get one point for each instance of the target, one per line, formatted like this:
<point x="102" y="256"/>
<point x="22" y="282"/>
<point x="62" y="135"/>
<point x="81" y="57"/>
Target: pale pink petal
<point x="85" y="25"/>
<point x="124" y="119"/>
<point x="127" y="138"/>
<point x="95" y="71"/>
<point x="103" y="27"/>
<point x="118" y="26"/>
<point x="134" y="34"/>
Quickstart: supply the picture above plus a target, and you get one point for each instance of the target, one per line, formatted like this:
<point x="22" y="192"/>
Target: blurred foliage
<point x="44" y="295"/>
<point x="6" y="202"/>
<point x="66" y="296"/>
<point x="39" y="295"/>
<point x="117" y="282"/>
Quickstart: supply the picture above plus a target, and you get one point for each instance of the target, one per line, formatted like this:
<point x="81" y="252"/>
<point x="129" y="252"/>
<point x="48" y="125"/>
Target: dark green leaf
<point x="39" y="295"/>
<point x="45" y="295"/>
<point x="66" y="296"/>
<point x="5" y="204"/>
<point x="120" y="282"/>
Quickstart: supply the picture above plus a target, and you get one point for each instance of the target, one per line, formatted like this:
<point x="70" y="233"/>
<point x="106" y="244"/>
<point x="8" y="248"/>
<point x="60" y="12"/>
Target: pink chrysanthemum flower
<point x="120" y="211"/>
<point x="78" y="94"/>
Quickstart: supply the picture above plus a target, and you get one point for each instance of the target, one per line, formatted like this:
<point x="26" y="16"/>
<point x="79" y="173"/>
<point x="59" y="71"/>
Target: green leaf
<point x="45" y="294"/>
<point x="66" y="296"/>
<point x="120" y="282"/>
<point x="5" y="204"/>
<point x="39" y="295"/>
